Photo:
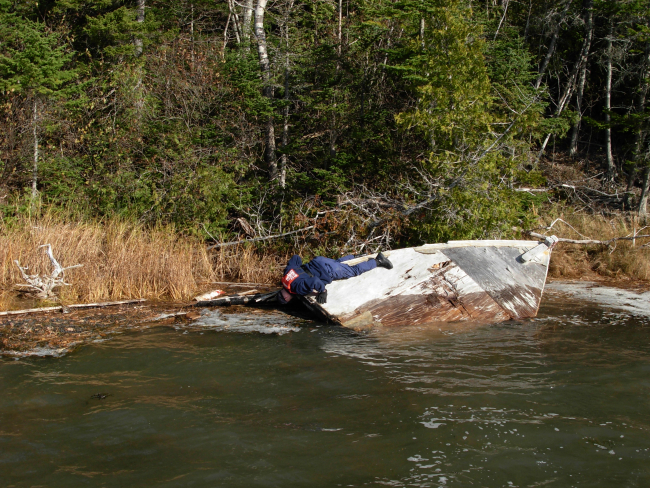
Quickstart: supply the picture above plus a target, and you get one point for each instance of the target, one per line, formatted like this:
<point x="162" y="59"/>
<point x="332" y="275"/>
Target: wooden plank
<point x="74" y="306"/>
<point x="515" y="286"/>
<point x="365" y="258"/>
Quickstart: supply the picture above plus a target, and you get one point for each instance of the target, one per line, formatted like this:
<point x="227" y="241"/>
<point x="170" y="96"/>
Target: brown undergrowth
<point x="624" y="260"/>
<point x="123" y="260"/>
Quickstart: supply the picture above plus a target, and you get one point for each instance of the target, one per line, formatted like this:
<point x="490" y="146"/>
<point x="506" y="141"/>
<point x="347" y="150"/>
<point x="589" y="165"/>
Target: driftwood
<point x="43" y="287"/>
<point x="590" y="241"/>
<point x="239" y="299"/>
<point x="586" y="240"/>
<point x="75" y="306"/>
<point x="209" y="295"/>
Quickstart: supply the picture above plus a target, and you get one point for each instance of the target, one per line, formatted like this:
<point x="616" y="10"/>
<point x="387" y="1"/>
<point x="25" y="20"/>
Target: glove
<point x="322" y="297"/>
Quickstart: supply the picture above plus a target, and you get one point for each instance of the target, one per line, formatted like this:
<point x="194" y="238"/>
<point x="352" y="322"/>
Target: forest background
<point x="339" y="125"/>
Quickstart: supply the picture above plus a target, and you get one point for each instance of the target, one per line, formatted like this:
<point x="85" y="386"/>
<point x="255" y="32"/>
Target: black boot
<point x="383" y="262"/>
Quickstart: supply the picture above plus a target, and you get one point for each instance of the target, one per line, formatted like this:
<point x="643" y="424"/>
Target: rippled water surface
<point x="563" y="400"/>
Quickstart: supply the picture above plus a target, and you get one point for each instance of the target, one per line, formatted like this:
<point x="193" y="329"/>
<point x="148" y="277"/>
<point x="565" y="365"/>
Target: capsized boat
<point x="483" y="281"/>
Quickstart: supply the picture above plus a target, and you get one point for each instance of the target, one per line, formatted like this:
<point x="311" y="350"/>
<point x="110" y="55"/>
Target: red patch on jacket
<point x="288" y="279"/>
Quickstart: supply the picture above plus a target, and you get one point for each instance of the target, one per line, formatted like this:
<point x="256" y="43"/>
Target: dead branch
<point x="607" y="242"/>
<point x="255" y="239"/>
<point x="43" y="286"/>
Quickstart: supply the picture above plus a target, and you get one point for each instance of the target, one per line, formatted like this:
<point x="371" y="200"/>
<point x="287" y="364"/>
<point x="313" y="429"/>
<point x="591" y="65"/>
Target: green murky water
<point x="563" y="400"/>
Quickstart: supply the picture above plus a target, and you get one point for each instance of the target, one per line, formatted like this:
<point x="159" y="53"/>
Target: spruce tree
<point x="33" y="63"/>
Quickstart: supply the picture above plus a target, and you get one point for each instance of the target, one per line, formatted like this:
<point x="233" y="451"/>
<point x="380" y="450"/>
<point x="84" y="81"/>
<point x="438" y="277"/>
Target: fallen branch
<point x="589" y="241"/>
<point x="238" y="299"/>
<point x="234" y="284"/>
<point x="45" y="286"/>
<point x="75" y="306"/>
<point x="233" y="243"/>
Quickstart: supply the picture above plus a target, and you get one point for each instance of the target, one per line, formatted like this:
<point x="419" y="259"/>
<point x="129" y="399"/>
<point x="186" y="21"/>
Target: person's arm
<point x="307" y="286"/>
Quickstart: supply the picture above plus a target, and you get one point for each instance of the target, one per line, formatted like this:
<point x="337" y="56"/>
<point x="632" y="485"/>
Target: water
<point x="557" y="401"/>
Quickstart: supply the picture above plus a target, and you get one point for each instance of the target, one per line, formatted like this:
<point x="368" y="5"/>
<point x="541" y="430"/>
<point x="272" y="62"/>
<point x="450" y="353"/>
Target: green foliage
<point x="31" y="59"/>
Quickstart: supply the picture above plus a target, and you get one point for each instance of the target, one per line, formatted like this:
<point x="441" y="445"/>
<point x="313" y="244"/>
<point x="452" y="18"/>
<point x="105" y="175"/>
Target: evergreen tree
<point x="33" y="63"/>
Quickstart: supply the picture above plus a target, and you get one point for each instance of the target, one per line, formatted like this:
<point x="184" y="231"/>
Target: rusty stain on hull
<point x="440" y="300"/>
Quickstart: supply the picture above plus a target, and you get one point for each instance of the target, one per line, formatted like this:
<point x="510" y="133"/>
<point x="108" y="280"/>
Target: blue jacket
<point x="305" y="284"/>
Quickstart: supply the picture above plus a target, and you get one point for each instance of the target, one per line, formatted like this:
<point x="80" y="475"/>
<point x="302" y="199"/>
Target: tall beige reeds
<point x="124" y="259"/>
<point x="626" y="260"/>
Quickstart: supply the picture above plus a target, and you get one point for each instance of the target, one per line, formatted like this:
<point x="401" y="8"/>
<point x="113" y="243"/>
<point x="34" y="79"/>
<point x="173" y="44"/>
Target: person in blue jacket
<point x="311" y="278"/>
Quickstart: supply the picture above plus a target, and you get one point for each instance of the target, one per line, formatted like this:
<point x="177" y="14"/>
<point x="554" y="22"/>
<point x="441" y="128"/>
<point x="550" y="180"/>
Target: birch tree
<point x="265" y="67"/>
<point x="582" y="78"/>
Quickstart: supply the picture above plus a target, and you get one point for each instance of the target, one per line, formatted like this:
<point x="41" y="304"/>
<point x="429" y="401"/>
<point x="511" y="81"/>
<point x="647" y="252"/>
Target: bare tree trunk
<point x="35" y="133"/>
<point x="611" y="168"/>
<point x="192" y="37"/>
<point x="248" y="17"/>
<point x="643" y="201"/>
<point x="139" y="91"/>
<point x="584" y="58"/>
<point x="140" y="19"/>
<point x="506" y="3"/>
<point x="530" y="9"/>
<point x="265" y="67"/>
<point x="551" y="47"/>
<point x="338" y="50"/>
<point x="422" y="32"/>
<point x="285" y="128"/>
<point x="285" y="110"/>
<point x="235" y="19"/>
<point x="639" y="137"/>
<point x="225" y="37"/>
<point x="568" y="92"/>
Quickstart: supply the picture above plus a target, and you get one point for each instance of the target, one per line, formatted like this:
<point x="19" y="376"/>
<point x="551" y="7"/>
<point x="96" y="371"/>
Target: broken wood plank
<point x="361" y="259"/>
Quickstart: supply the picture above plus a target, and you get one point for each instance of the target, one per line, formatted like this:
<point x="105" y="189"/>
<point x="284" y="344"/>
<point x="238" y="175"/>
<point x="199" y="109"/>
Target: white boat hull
<point x="483" y="281"/>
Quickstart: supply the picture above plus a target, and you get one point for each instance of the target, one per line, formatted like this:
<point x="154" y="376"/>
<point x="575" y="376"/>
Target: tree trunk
<point x="265" y="67"/>
<point x="568" y="91"/>
<point x="248" y="17"/>
<point x="584" y="58"/>
<point x="140" y="19"/>
<point x="338" y="49"/>
<point x="643" y="200"/>
<point x="551" y="48"/>
<point x="506" y="3"/>
<point x="611" y="168"/>
<point x="35" y="133"/>
<point x="285" y="110"/>
<point x="192" y="37"/>
<point x="285" y="127"/>
<point x="642" y="93"/>
<point x="235" y="20"/>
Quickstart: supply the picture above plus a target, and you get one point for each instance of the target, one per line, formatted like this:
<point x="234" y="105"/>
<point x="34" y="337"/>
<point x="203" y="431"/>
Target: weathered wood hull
<point x="482" y="281"/>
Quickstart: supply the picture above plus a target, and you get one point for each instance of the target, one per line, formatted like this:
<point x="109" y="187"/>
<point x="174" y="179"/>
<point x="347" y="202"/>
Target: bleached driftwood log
<point x="43" y="287"/>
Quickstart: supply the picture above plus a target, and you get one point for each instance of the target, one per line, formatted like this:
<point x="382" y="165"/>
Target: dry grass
<point x="124" y="260"/>
<point x="624" y="261"/>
